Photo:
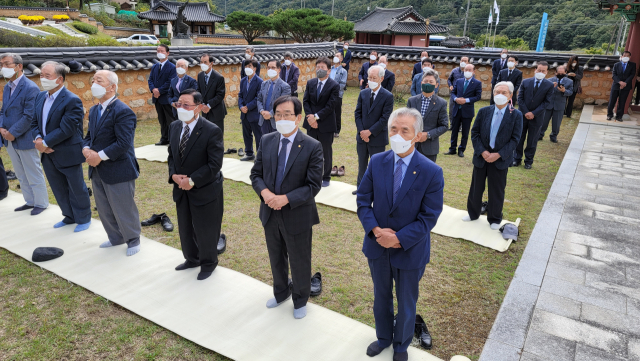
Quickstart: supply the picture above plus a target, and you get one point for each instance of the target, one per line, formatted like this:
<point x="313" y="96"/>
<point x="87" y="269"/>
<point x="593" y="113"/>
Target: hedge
<point x="85" y="28"/>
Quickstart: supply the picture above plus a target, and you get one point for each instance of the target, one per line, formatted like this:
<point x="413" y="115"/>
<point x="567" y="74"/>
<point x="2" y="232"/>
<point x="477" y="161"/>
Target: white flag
<point x="497" y="17"/>
<point x="496" y="9"/>
<point x="490" y="18"/>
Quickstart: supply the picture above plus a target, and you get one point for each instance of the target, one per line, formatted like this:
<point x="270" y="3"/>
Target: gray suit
<point x="434" y="121"/>
<point x="556" y="108"/>
<point x="279" y="88"/>
<point x="341" y="79"/>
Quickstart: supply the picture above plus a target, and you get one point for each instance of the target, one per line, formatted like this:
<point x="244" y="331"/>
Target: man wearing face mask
<point x="419" y="66"/>
<point x="160" y="78"/>
<point x="374" y="107"/>
<point x="340" y="76"/>
<point x="466" y="92"/>
<point x="399" y="201"/>
<point x="456" y="73"/>
<point x="320" y="98"/>
<point x="389" y="77"/>
<point x="623" y="73"/>
<point x="497" y="66"/>
<point x="57" y="130"/>
<point x="563" y="88"/>
<point x="416" y="83"/>
<point x="495" y="134"/>
<point x="364" y="70"/>
<point x="513" y="75"/>
<point x="113" y="168"/>
<point x="211" y="87"/>
<point x="249" y="54"/>
<point x="290" y="73"/>
<point x="346" y="54"/>
<point x="434" y="115"/>
<point x="287" y="175"/>
<point x="534" y="98"/>
<point x="195" y="159"/>
<point x="272" y="88"/>
<point x="16" y="114"/>
<point x="180" y="83"/>
<point x="248" y="104"/>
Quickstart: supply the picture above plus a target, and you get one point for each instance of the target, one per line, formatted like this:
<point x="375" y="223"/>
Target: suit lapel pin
<point x="414" y="172"/>
<point x="299" y="146"/>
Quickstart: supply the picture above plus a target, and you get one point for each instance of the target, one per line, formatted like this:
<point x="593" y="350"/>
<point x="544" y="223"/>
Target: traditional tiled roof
<point x="457" y="42"/>
<point x="397" y="21"/>
<point x="194" y="12"/>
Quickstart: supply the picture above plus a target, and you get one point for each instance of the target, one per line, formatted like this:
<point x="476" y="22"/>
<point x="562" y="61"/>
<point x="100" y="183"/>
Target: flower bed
<point x="60" y="18"/>
<point x="32" y="20"/>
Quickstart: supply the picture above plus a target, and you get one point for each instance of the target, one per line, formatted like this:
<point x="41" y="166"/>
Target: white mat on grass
<point x="338" y="195"/>
<point x="225" y="313"/>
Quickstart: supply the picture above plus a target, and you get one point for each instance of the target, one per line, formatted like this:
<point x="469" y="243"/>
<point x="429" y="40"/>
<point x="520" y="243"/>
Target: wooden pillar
<point x="426" y="37"/>
<point x="633" y="45"/>
<point x="410" y="40"/>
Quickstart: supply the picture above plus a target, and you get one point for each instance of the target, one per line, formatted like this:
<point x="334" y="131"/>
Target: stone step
<point x="22" y="29"/>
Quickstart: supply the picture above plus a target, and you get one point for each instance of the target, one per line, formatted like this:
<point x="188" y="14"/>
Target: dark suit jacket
<point x="187" y="83"/>
<point x="113" y="134"/>
<point x="435" y="121"/>
<point x="374" y="118"/>
<point x="64" y="128"/>
<point x="515" y="79"/>
<point x="537" y="104"/>
<point x="496" y="67"/>
<point x="413" y="215"/>
<point x="389" y="80"/>
<point x="213" y="94"/>
<point x="294" y="75"/>
<point x="161" y="80"/>
<point x="17" y="113"/>
<point x="202" y="161"/>
<point x="507" y="138"/>
<point x="346" y="58"/>
<point x="558" y="98"/>
<point x="324" y="106"/>
<point x="417" y="69"/>
<point x="473" y="92"/>
<point x="302" y="179"/>
<point x="364" y="73"/>
<point x="249" y="98"/>
<point x="626" y="76"/>
<point x="242" y="73"/>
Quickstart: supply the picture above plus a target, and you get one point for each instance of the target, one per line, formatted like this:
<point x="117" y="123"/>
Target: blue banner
<point x="542" y="36"/>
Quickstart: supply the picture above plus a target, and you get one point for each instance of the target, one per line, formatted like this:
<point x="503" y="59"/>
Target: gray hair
<point x="289" y="54"/>
<point x="183" y="60"/>
<point x="431" y="72"/>
<point x="508" y="84"/>
<point x="17" y="59"/>
<point x="407" y="112"/>
<point x="383" y="56"/>
<point x="379" y="68"/>
<point x="58" y="68"/>
<point x="111" y="76"/>
<point x="251" y="49"/>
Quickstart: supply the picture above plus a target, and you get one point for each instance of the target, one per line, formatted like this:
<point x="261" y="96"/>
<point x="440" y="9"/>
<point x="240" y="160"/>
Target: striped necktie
<point x="183" y="141"/>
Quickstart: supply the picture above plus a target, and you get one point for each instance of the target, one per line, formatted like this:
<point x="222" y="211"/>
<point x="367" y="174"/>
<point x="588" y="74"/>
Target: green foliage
<point x="140" y="8"/>
<point x="12" y="39"/>
<point x="249" y="25"/>
<point x="115" y="5"/>
<point x="165" y="42"/>
<point x="85" y="28"/>
<point x="311" y="25"/>
<point x="257" y="42"/>
<point x="102" y="41"/>
<point x="503" y="41"/>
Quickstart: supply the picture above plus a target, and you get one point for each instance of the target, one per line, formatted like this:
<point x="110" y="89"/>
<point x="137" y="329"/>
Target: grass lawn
<point x="45" y="317"/>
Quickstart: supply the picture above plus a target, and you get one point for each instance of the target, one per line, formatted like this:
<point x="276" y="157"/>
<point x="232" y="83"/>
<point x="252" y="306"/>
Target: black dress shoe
<point x="609" y="118"/>
<point x="553" y="140"/>
<point x="422" y="333"/>
<point x="204" y="275"/>
<point x="619" y="120"/>
<point x="374" y="349"/>
<point x="240" y="152"/>
<point x="89" y="191"/>
<point x="316" y="284"/>
<point x="460" y="154"/>
<point x="400" y="356"/>
<point x="163" y="142"/>
<point x="166" y="223"/>
<point x="4" y="195"/>
<point x="354" y="192"/>
<point x="450" y="152"/>
<point x="222" y="243"/>
<point x="186" y="265"/>
<point x="515" y="164"/>
<point x="152" y="220"/>
<point x="541" y="137"/>
<point x="230" y="150"/>
<point x="483" y="208"/>
<point x="248" y="158"/>
<point x="11" y="175"/>
<point x="527" y="166"/>
<point x="23" y="208"/>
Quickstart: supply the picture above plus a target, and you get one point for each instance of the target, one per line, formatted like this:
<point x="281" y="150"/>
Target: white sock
<point x="466" y="218"/>
<point x="106" y="244"/>
<point x="272" y="303"/>
<point x="299" y="313"/>
<point x="133" y="250"/>
<point x="495" y="226"/>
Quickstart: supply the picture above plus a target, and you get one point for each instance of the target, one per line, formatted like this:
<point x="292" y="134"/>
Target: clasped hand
<point x="6" y="135"/>
<point x="92" y="157"/>
<point x="365" y="134"/>
<point x="41" y="148"/>
<point x="275" y="202"/>
<point x="490" y="157"/>
<point x="386" y="237"/>
<point x="182" y="181"/>
<point x="311" y="119"/>
<point x="460" y="101"/>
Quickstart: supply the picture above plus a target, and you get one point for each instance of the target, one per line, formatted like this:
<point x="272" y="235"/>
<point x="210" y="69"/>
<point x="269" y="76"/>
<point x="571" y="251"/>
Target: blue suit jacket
<point x="187" y="83"/>
<point x="64" y="128"/>
<point x="473" y="93"/>
<point x="279" y="88"/>
<point x="537" y="104"/>
<point x="374" y="118"/>
<point x="17" y="113"/>
<point x="417" y="69"/>
<point x="249" y="98"/>
<point x="413" y="215"/>
<point x="507" y="139"/>
<point x="113" y="134"/>
<point x="162" y="81"/>
<point x="364" y="73"/>
<point x="346" y="58"/>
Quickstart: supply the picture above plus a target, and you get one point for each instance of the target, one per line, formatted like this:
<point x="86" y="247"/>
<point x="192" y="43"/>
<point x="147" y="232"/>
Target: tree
<point x="311" y="25"/>
<point x="248" y="24"/>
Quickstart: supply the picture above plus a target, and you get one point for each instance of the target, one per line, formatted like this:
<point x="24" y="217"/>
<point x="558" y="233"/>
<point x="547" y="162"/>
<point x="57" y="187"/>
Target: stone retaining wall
<point x="123" y="32"/>
<point x="220" y="40"/>
<point x="48" y="13"/>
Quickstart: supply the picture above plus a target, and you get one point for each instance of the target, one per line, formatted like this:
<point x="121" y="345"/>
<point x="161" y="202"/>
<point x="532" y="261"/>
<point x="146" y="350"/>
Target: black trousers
<point x="637" y="93"/>
<point x="200" y="231"/>
<point x="284" y="249"/>
<point x="365" y="152"/>
<point x="432" y="157"/>
<point x="555" y="117"/>
<point x="338" y="110"/>
<point x="165" y="117"/>
<point x="326" y="139"/>
<point x="568" y="109"/>
<point x="249" y="130"/>
<point x="530" y="131"/>
<point x="4" y="183"/>
<point x="497" y="181"/>
<point x="455" y="125"/>
<point x="621" y="97"/>
<point x="219" y="122"/>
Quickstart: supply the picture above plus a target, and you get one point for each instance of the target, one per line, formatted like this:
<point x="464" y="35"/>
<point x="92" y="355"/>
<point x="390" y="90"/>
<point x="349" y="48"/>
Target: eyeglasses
<point x="7" y="65"/>
<point x="284" y="115"/>
<point x="186" y="106"/>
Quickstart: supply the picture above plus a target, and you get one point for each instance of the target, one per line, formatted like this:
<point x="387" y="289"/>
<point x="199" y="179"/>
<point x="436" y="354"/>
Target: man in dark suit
<point x="418" y="67"/>
<point x="287" y="175"/>
<point x="399" y="202"/>
<point x="160" y="78"/>
<point x="319" y="101"/>
<point x="623" y="73"/>
<point x="563" y="88"/>
<point x="195" y="159"/>
<point x="533" y="99"/>
<point x="364" y="70"/>
<point x="455" y="74"/>
<point x="513" y="75"/>
<point x="495" y="134"/>
<point x="466" y="92"/>
<point x="248" y="104"/>
<point x="389" y="77"/>
<point x="290" y="73"/>
<point x="374" y="107"/>
<point x="211" y="87"/>
<point x="273" y="87"/>
<point x="433" y="109"/>
<point x="346" y="55"/>
<point x="113" y="168"/>
<point x="416" y="82"/>
<point x="249" y="55"/>
<point x="57" y="130"/>
<point x="497" y="66"/>
<point x="180" y="83"/>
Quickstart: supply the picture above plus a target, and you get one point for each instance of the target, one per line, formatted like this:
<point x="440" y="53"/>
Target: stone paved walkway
<point x="576" y="292"/>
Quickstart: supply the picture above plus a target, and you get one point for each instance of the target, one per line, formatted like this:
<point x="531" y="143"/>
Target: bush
<point x="100" y="16"/>
<point x="257" y="42"/>
<point x="14" y="39"/>
<point x="103" y="41"/>
<point x="85" y="28"/>
<point x="165" y="42"/>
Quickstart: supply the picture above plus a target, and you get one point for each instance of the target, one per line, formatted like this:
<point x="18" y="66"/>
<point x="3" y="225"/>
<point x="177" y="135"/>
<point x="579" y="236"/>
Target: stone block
<point x="128" y="92"/>
<point x="150" y="101"/>
<point x="586" y="353"/>
<point x="79" y="84"/>
<point x="482" y="68"/>
<point x="549" y="347"/>
<point x="589" y="101"/>
<point x="567" y="274"/>
<point x="87" y="96"/>
<point x="230" y="101"/>
<point x="232" y="88"/>
<point x="512" y="322"/>
<point x="486" y="95"/>
<point x="226" y="70"/>
<point x="593" y="93"/>
<point x="141" y="78"/>
<point x="235" y="78"/>
<point x="484" y="77"/>
<point x="497" y="351"/>
<point x="444" y="91"/>
<point x="129" y="79"/>
<point x="577" y="103"/>
<point x="559" y="305"/>
<point x="227" y="80"/>
<point x="601" y="101"/>
<point x="136" y="103"/>
<point x="595" y="83"/>
<point x="634" y="350"/>
<point x="193" y="74"/>
<point x="142" y="90"/>
<point x="584" y="294"/>
<point x="614" y="321"/>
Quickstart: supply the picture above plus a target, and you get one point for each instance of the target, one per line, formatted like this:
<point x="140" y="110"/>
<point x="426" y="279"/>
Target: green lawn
<point x="44" y="317"/>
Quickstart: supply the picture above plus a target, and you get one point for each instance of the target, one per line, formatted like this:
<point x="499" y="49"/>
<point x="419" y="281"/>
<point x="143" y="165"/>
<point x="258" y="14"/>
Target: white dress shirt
<point x="104" y="106"/>
<point x="15" y="84"/>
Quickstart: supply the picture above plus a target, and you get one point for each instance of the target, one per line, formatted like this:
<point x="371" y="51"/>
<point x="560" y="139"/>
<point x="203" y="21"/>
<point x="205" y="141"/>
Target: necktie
<point x="206" y="79"/>
<point x="509" y="76"/>
<point x="319" y="89"/>
<point x="282" y="162"/>
<point x="466" y="82"/>
<point x="494" y="129"/>
<point x="183" y="141"/>
<point x="397" y="179"/>
<point x="178" y="85"/>
<point x="12" y="85"/>
<point x="535" y="88"/>
<point x="268" y="103"/>
<point x="373" y="97"/>
<point x="99" y="111"/>
<point x="624" y="67"/>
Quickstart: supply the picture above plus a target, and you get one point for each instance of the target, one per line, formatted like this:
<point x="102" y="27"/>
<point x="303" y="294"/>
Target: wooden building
<point x="197" y="15"/>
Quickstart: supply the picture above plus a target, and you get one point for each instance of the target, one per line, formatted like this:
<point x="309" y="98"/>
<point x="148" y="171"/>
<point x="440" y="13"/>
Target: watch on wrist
<point x="191" y="182"/>
<point x="316" y="117"/>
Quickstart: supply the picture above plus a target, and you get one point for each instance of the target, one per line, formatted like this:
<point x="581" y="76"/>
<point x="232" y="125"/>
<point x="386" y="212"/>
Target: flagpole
<point x="490" y="27"/>
<point x="485" y="33"/>
<point x="495" y="30"/>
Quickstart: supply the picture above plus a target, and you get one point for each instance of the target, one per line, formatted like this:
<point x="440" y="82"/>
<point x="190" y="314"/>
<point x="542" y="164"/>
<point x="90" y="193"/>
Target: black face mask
<point x="560" y="76"/>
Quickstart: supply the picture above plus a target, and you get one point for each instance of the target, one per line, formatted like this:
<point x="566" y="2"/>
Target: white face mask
<point x="285" y="126"/>
<point x="185" y="115"/>
<point x="346" y="47"/>
<point x="336" y="60"/>
<point x="161" y="56"/>
<point x="574" y="64"/>
<point x="247" y="56"/>
<point x="463" y="64"/>
<point x="503" y="56"/>
<point x="468" y="74"/>
<point x="48" y="84"/>
<point x="181" y="71"/>
<point x="372" y="57"/>
<point x="500" y="99"/>
<point x="399" y="145"/>
<point x="511" y="64"/>
<point x="287" y="62"/>
<point x="204" y="67"/>
<point x="8" y="72"/>
<point x="248" y="71"/>
<point x="271" y="73"/>
<point x="425" y="68"/>
<point x="98" y="90"/>
<point x="372" y="84"/>
<point x="625" y="59"/>
<point x="383" y="65"/>
<point x="422" y="59"/>
<point x="540" y="76"/>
